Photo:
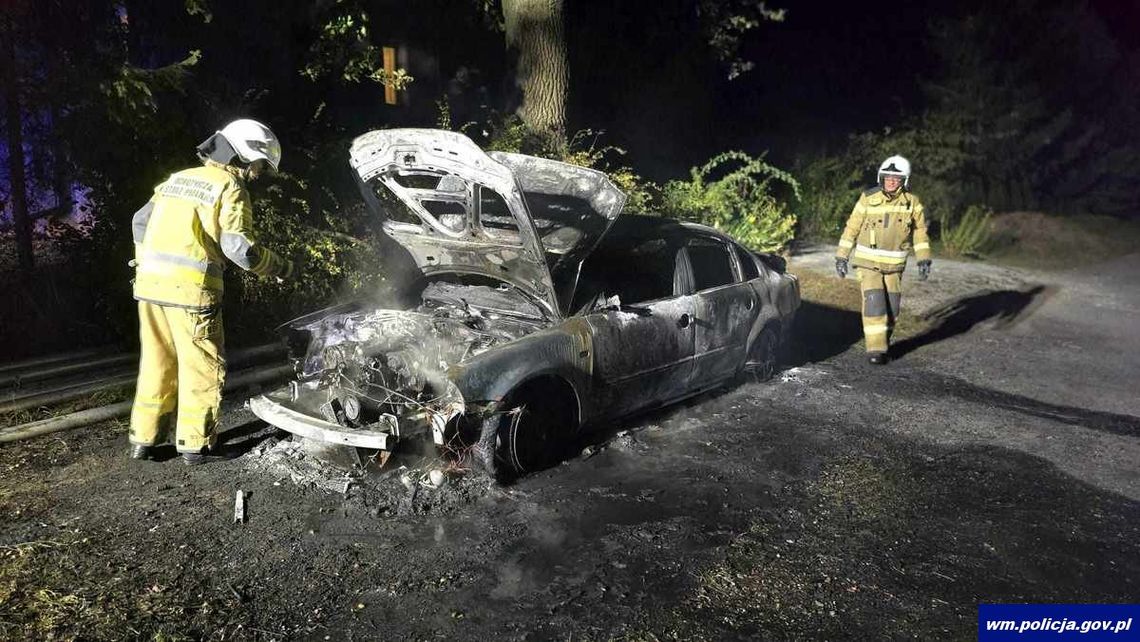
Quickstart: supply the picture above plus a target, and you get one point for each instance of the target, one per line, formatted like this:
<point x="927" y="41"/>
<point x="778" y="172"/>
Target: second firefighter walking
<point x="887" y="223"/>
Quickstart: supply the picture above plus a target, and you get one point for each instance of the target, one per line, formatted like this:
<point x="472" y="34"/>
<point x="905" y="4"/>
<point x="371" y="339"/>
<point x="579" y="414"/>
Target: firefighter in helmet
<point x="196" y="220"/>
<point x="887" y="223"/>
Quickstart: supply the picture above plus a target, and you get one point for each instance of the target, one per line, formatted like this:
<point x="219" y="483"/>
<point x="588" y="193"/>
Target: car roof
<point x="637" y="226"/>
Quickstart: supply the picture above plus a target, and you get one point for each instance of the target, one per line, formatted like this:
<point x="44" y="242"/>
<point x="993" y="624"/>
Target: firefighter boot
<point x="140" y="451"/>
<point x="193" y="459"/>
<point x="878" y="358"/>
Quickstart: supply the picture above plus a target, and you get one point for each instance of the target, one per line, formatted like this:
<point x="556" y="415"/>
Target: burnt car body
<point x="534" y="311"/>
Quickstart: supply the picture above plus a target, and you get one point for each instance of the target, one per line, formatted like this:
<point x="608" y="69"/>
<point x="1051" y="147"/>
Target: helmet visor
<point x="268" y="149"/>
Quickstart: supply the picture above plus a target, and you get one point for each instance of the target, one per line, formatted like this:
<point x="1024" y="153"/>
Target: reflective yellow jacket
<point x="196" y="219"/>
<point x="879" y="231"/>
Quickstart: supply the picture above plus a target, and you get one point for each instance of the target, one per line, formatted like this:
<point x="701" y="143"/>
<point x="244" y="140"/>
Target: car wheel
<point x="762" y="357"/>
<point x="525" y="438"/>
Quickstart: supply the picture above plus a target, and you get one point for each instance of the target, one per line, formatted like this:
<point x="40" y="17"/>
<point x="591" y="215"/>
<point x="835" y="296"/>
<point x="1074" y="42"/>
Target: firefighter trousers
<point x="182" y="369"/>
<point x="882" y="295"/>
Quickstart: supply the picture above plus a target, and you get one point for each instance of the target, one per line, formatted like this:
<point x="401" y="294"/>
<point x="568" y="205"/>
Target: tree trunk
<point x="18" y="181"/>
<point x="534" y="30"/>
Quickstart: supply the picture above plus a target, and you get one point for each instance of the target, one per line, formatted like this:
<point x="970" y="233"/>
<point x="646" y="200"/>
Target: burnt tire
<point x="530" y="435"/>
<point x="763" y="356"/>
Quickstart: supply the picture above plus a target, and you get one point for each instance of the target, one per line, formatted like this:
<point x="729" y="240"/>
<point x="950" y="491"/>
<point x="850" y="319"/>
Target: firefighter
<point x="876" y="242"/>
<point x="197" y="219"/>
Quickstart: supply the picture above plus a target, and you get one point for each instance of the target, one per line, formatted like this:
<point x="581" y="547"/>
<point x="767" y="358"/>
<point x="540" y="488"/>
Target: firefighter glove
<point x="841" y="268"/>
<point x="924" y="270"/>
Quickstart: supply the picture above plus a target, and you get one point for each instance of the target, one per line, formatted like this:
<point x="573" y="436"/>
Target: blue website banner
<point x="1058" y="622"/>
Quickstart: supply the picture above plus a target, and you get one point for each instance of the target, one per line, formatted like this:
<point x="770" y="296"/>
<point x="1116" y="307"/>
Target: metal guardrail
<point x="114" y="411"/>
<point x="13" y="385"/>
<point x="30" y="364"/>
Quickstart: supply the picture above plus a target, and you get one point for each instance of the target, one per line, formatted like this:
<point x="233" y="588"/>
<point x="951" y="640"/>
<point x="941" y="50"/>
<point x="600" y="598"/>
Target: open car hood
<point x="572" y="208"/>
<point x="456" y="209"/>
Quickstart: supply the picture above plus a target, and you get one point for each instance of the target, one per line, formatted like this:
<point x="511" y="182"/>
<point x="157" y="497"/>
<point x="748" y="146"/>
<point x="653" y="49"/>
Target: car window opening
<point x="711" y="266"/>
<point x="748" y="264"/>
<point x="635" y="274"/>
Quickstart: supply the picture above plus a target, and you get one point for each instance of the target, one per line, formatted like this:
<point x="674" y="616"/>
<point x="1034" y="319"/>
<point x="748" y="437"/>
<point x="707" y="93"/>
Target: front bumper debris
<point x="311" y="427"/>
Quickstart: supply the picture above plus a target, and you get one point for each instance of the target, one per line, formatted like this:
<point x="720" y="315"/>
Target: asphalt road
<point x="994" y="461"/>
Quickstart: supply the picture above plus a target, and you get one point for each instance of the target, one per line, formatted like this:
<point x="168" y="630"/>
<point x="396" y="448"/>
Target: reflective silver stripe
<point x="889" y="209"/>
<point x="196" y="308"/>
<point x="151" y="404"/>
<point x="205" y="267"/>
<point x="844" y="243"/>
<point x="238" y="249"/>
<point x="874" y="303"/>
<point x="139" y="221"/>
<point x="887" y="254"/>
<point x="921" y="246"/>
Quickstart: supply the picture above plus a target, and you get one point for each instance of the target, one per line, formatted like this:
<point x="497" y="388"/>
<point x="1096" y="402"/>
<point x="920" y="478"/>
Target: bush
<point x="335" y="250"/>
<point x="736" y="193"/>
<point x="831" y="187"/>
<point x="972" y="235"/>
<point x="733" y="192"/>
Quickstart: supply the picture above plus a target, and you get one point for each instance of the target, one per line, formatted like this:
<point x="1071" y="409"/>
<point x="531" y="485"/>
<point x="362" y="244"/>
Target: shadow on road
<point x="1004" y="308"/>
<point x="822" y="332"/>
<point x="915" y="383"/>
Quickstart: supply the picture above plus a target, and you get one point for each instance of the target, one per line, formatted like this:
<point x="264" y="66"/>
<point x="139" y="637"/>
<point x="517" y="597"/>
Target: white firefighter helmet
<point x="253" y="141"/>
<point x="895" y="166"/>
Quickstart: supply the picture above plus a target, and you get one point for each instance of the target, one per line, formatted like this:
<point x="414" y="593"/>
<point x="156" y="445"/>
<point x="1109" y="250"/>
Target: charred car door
<point x="727" y="309"/>
<point x="643" y="331"/>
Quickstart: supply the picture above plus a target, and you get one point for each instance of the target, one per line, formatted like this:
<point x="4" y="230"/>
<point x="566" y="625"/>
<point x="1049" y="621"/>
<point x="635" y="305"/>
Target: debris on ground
<point x="239" y="508"/>
<point x="421" y="486"/>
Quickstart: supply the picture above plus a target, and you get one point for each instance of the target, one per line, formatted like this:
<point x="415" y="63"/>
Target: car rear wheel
<point x="762" y="357"/>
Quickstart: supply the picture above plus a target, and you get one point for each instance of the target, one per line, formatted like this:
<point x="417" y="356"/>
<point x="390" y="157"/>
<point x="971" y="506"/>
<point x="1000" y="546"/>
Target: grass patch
<point x="827" y="290"/>
<point x="816" y="570"/>
<point x="860" y="490"/>
<point x="95" y="400"/>
<point x="49" y="590"/>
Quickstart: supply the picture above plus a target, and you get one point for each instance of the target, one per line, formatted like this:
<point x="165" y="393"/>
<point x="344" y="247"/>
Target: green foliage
<point x="334" y="255"/>
<point x="501" y="132"/>
<point x="737" y="194"/>
<point x="832" y="185"/>
<point x="507" y="133"/>
<point x="200" y="8"/>
<point x="344" y="49"/>
<point x="734" y="192"/>
<point x="130" y="94"/>
<point x="972" y="235"/>
<point x="583" y="150"/>
<point x="725" y="25"/>
<point x="443" y="119"/>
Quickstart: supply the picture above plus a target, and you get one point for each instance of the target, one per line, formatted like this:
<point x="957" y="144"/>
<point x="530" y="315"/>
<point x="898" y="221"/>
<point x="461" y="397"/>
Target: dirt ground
<point x="994" y="461"/>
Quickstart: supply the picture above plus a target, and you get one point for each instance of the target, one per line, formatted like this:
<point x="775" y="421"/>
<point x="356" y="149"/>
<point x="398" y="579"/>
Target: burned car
<point x="535" y="311"/>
